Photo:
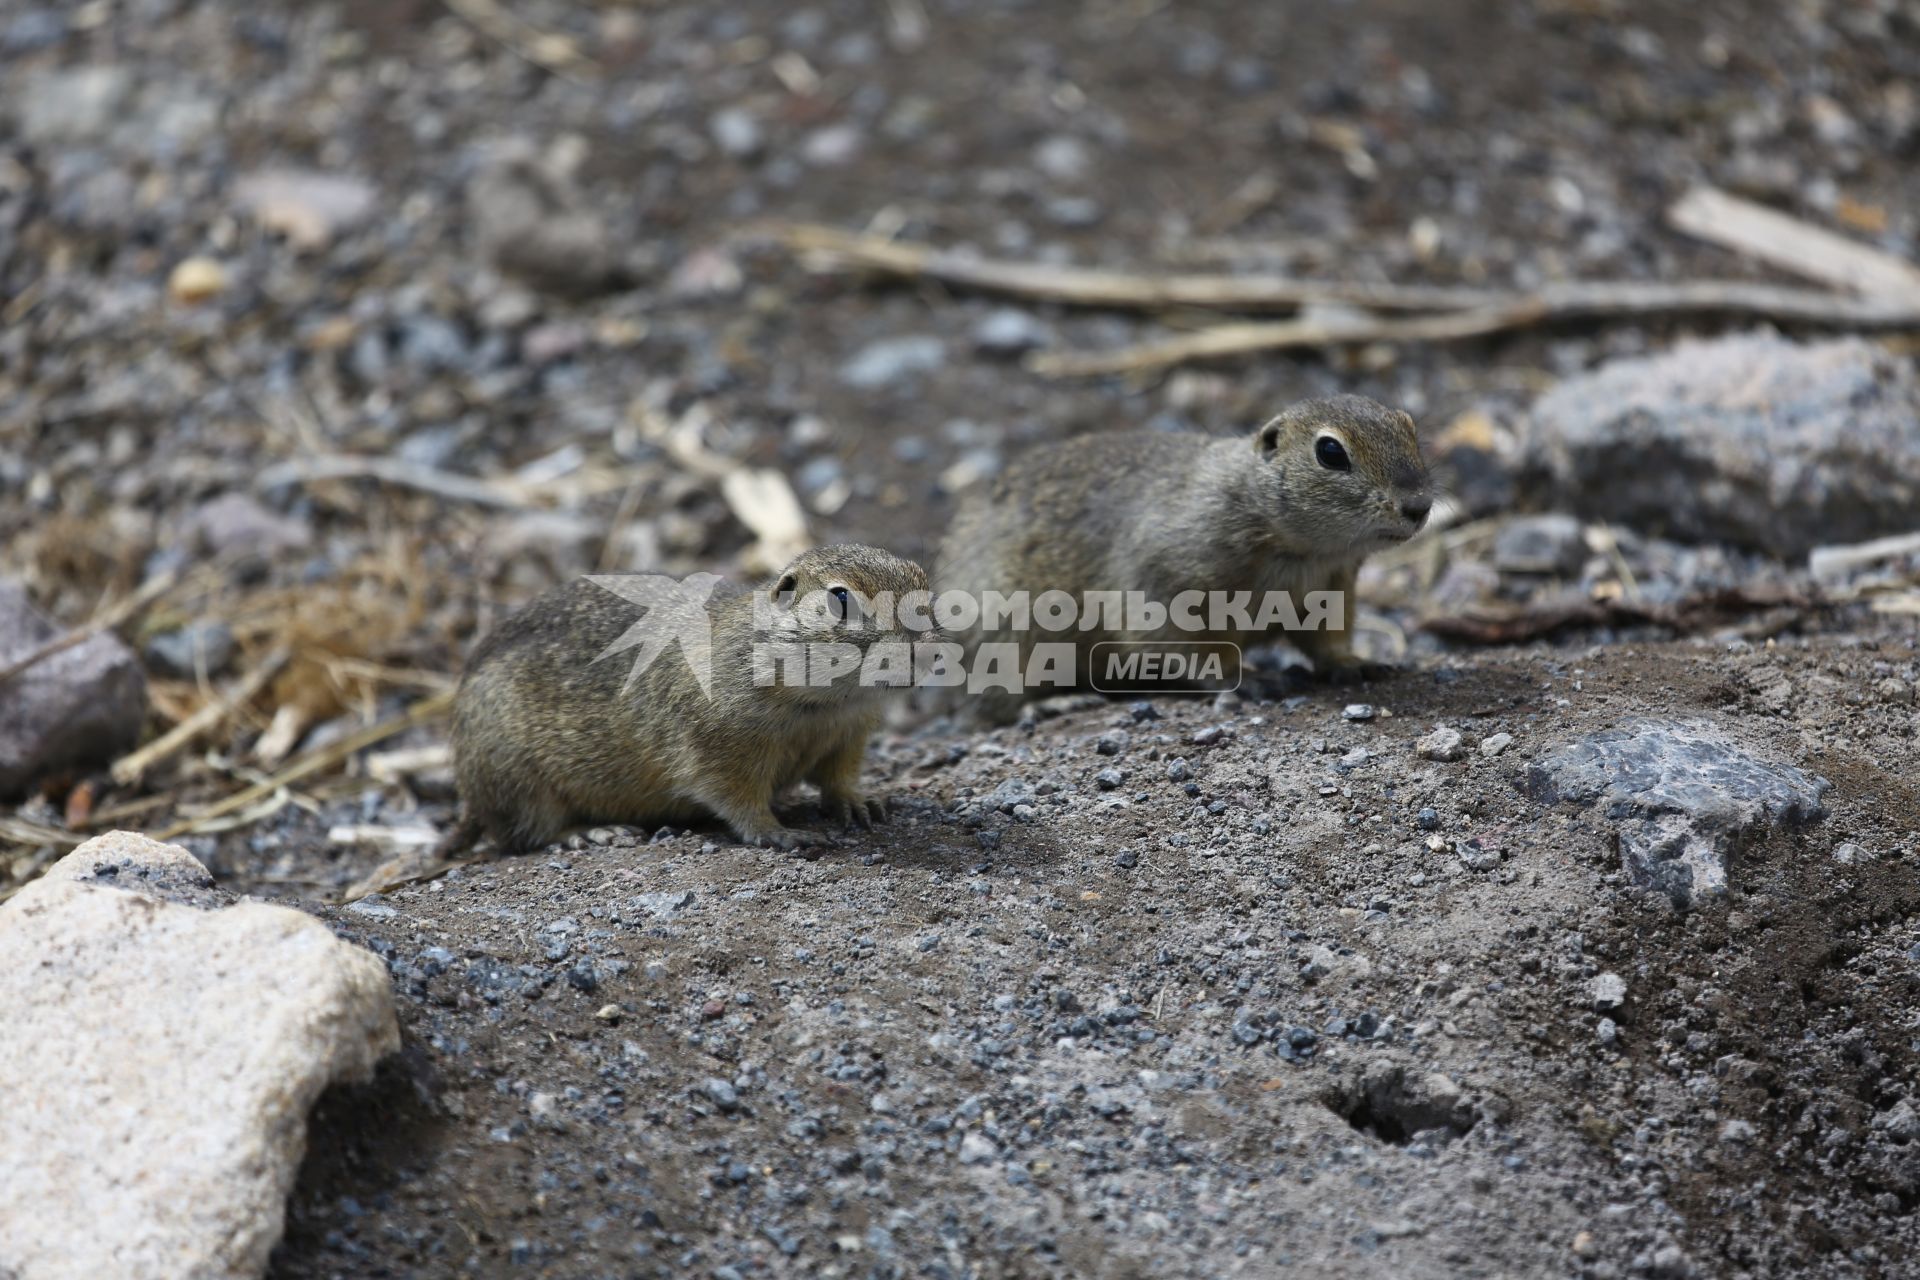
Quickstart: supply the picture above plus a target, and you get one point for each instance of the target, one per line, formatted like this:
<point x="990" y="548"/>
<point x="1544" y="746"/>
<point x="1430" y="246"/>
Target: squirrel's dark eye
<point x="841" y="607"/>
<point x="1331" y="454"/>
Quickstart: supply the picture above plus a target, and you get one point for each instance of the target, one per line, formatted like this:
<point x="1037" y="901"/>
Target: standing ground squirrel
<point x="548" y="734"/>
<point x="1322" y="485"/>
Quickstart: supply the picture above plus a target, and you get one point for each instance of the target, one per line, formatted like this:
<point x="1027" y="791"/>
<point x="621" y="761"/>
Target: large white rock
<point x="157" y="1062"/>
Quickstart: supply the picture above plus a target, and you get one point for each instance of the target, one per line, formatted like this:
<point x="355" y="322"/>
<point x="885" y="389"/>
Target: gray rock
<point x="90" y="195"/>
<point x="1444" y="743"/>
<point x="1476" y="857"/>
<point x="892" y="360"/>
<point x="159" y="1060"/>
<point x="737" y="132"/>
<point x="1011" y="794"/>
<point x="1078" y="212"/>
<point x="180" y="654"/>
<point x="1554" y="544"/>
<point x="1609" y="992"/>
<point x="977" y="1148"/>
<point x="78" y="104"/>
<point x="237" y="524"/>
<point x="832" y="146"/>
<point x="35" y="29"/>
<point x="663" y="904"/>
<point x="1681" y="796"/>
<point x="1494" y="744"/>
<point x="534" y="225"/>
<point x="1359" y="711"/>
<point x="1010" y="331"/>
<point x="1753" y="440"/>
<point x="1063" y="158"/>
<point x="75" y="710"/>
<point x="309" y="208"/>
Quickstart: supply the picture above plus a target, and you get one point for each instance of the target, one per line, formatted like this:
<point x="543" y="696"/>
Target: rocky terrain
<point x="1586" y="944"/>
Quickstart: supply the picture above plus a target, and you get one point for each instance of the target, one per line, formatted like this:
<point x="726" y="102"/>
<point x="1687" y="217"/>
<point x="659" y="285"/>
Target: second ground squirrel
<point x="1295" y="507"/>
<point x="549" y="734"/>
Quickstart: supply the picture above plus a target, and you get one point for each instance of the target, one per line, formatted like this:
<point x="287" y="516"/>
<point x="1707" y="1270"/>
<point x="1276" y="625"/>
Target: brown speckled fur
<point x="1165" y="513"/>
<point x="545" y="739"/>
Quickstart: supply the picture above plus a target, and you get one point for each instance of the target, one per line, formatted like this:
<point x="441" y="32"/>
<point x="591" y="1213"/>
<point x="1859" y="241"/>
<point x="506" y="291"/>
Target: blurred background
<point x="327" y="331"/>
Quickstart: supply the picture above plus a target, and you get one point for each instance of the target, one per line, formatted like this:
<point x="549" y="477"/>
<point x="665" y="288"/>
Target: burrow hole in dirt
<point x="1399" y="1113"/>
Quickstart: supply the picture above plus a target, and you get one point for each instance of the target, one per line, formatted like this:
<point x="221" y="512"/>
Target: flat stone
<point x="892" y="360"/>
<point x="1444" y="743"/>
<point x="73" y="711"/>
<point x="1754" y="440"/>
<point x="308" y="207"/>
<point x="159" y="1059"/>
<point x="1681" y="795"/>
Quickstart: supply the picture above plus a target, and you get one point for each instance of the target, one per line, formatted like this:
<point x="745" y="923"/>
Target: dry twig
<point x="1778" y="608"/>
<point x="326" y="757"/>
<point x="554" y="53"/>
<point x="1827" y="563"/>
<point x="1792" y="245"/>
<point x="398" y="472"/>
<point x="129" y="768"/>
<point x="1458" y="312"/>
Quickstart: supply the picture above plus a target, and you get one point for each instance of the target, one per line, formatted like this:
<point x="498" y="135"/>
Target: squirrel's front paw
<point x="847" y="810"/>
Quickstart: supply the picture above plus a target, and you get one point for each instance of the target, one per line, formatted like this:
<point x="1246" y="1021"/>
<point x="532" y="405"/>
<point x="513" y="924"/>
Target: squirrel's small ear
<point x="781" y="593"/>
<point x="1266" y="441"/>
<point x="1408" y="419"/>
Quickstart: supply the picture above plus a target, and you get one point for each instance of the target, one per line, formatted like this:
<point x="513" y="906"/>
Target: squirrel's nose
<point x="1415" y="509"/>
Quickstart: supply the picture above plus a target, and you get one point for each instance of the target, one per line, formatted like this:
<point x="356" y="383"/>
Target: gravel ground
<point x="1323" y="1004"/>
<point x="1083" y="1009"/>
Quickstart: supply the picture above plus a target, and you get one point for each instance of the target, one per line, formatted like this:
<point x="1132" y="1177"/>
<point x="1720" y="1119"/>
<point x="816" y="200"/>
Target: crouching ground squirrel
<point x="549" y="734"/>
<point x="1296" y="509"/>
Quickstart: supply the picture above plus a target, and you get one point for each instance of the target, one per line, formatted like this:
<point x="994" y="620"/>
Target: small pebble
<point x="196" y="280"/>
<point x="1496" y="744"/>
<point x="1359" y="711"/>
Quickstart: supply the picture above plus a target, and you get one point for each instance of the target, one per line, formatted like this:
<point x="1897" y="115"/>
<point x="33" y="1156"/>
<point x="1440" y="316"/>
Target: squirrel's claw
<point x="851" y="810"/>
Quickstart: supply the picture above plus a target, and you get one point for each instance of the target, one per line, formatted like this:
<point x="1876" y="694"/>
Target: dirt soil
<point x="1247" y="1021"/>
<point x="1258" y="1027"/>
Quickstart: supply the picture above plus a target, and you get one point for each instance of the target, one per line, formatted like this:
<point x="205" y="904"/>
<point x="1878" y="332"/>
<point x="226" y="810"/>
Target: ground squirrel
<point x="1322" y="485"/>
<point x="548" y="734"/>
